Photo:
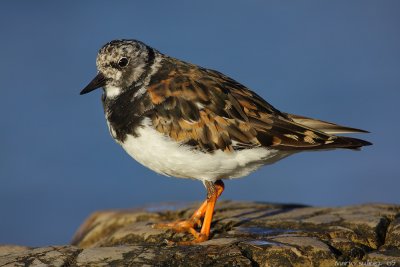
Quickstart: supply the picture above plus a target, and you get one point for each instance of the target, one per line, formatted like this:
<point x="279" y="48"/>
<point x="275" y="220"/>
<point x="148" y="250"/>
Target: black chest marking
<point x="126" y="113"/>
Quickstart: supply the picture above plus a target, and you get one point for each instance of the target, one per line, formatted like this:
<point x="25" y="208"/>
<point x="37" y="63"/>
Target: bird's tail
<point x="324" y="126"/>
<point x="332" y="129"/>
<point x="347" y="142"/>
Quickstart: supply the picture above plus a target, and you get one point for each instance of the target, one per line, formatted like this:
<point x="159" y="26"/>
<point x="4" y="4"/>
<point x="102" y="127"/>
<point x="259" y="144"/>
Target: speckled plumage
<point x="182" y="120"/>
<point x="200" y="109"/>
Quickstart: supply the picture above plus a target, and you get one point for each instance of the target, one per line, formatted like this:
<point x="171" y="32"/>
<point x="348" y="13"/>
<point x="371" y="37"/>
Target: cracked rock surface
<point x="243" y="234"/>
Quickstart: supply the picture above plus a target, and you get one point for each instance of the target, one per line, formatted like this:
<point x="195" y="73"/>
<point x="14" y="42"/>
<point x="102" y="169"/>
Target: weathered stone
<point x="54" y="256"/>
<point x="322" y="219"/>
<point x="102" y="224"/>
<point x="5" y="250"/>
<point x="393" y="234"/>
<point x="104" y="256"/>
<point x="243" y="234"/>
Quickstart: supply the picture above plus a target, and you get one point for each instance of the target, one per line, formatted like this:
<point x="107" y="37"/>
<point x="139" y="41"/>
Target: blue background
<point x="334" y="60"/>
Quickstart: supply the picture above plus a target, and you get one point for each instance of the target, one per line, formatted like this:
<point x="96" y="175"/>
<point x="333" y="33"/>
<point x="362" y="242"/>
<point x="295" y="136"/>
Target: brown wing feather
<point x="210" y="111"/>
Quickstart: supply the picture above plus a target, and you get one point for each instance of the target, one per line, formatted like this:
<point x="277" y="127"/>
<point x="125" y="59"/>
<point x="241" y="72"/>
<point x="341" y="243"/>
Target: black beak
<point x="97" y="82"/>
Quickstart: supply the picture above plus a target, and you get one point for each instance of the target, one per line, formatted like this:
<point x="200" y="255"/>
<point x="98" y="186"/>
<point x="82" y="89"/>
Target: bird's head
<point x="120" y="64"/>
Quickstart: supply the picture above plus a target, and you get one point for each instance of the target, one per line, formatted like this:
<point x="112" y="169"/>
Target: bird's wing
<point x="210" y="111"/>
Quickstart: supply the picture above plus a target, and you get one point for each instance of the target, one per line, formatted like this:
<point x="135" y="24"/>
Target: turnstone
<point x="183" y="120"/>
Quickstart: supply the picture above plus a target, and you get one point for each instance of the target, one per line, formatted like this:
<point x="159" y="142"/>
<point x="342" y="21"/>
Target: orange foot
<point x="206" y="210"/>
<point x="186" y="225"/>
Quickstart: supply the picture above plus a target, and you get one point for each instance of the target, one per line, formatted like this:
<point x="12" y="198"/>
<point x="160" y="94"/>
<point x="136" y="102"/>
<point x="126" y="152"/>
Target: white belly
<point x="165" y="156"/>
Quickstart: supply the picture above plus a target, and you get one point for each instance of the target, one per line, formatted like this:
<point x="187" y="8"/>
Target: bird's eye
<point x="123" y="62"/>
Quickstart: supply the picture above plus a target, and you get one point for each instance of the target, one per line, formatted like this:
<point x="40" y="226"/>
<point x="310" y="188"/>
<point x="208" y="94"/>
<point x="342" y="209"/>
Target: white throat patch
<point x="112" y="91"/>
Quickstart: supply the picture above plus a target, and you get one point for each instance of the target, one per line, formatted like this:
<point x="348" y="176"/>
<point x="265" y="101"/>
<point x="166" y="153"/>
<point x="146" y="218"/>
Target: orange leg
<point x="186" y="225"/>
<point x="206" y="210"/>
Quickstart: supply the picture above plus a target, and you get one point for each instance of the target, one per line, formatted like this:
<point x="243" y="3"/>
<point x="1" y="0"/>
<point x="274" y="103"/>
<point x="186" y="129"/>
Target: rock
<point x="243" y="234"/>
<point x="35" y="257"/>
<point x="393" y="234"/>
